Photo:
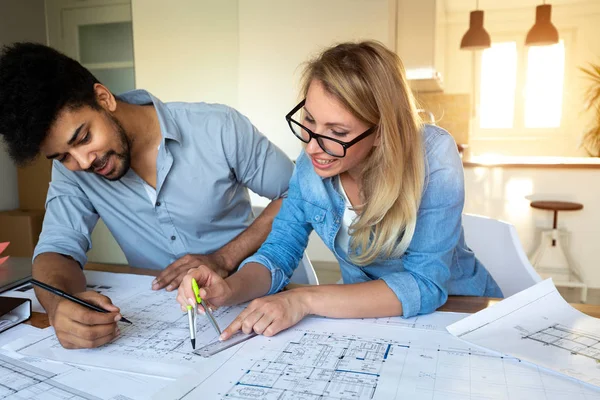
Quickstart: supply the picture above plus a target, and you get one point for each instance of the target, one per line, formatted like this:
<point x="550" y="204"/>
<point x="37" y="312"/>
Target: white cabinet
<point x="99" y="35"/>
<point x="420" y="41"/>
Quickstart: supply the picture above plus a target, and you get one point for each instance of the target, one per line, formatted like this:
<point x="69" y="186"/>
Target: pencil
<point x="67" y="296"/>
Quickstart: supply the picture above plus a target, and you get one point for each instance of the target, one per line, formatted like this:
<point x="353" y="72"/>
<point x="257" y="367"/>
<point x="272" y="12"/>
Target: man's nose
<point x="84" y="159"/>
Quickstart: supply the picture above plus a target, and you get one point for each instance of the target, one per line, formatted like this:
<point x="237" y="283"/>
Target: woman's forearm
<point x="252" y="281"/>
<point x="358" y="300"/>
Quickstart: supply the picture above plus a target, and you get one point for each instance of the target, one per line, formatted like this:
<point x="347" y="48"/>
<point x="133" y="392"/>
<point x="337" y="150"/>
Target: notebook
<point x="14" y="272"/>
<point x="13" y="311"/>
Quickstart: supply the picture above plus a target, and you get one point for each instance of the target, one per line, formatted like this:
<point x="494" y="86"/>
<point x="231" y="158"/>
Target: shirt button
<point x="173" y="238"/>
<point x="158" y="204"/>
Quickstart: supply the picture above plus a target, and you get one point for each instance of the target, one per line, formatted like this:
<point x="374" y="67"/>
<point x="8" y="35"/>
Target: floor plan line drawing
<point x="572" y="340"/>
<point x="319" y="360"/>
<point x="21" y="381"/>
<point x="499" y="318"/>
<point x="538" y="326"/>
<point x="156" y="343"/>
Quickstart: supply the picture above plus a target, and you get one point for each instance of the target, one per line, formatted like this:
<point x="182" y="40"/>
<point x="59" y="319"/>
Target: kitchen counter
<point x="503" y="188"/>
<point x="530" y="162"/>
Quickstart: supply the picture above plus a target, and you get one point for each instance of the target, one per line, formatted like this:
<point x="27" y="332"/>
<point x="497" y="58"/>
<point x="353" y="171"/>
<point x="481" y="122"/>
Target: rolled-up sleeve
<point x="69" y="220"/>
<point x="285" y="245"/>
<point x="422" y="286"/>
<point x="257" y="162"/>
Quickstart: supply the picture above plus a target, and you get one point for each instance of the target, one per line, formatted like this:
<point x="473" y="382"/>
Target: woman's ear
<point x="377" y="140"/>
<point x="105" y="98"/>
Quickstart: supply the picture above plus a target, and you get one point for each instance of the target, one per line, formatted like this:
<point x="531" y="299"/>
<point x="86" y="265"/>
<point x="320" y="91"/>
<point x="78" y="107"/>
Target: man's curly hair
<point x="36" y="84"/>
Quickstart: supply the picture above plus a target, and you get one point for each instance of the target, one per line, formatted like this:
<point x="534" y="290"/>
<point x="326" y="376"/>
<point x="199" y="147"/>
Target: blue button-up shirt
<point x="437" y="261"/>
<point x="210" y="155"/>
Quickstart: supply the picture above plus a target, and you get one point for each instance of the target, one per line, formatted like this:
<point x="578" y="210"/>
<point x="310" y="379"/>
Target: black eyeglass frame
<point x="318" y="137"/>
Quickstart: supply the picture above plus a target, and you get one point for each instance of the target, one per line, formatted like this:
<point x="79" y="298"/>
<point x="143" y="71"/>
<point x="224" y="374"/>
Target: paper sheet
<point x="437" y="321"/>
<point x="352" y="359"/>
<point x="157" y="343"/>
<point x="539" y="326"/>
<point x="3" y="246"/>
<point x="31" y="378"/>
<point x="16" y="332"/>
<point x="116" y="286"/>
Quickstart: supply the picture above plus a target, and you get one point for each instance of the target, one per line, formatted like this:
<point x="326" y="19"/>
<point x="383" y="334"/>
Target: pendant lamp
<point x="543" y="33"/>
<point x="476" y="37"/>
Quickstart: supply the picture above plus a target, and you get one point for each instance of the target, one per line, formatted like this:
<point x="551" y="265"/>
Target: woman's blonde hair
<point x="369" y="80"/>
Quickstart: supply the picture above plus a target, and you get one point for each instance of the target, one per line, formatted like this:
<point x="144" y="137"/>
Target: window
<point x="498" y="81"/>
<point x="521" y="87"/>
<point x="544" y="86"/>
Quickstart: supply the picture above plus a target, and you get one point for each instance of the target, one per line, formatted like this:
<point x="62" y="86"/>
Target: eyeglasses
<point x="331" y="146"/>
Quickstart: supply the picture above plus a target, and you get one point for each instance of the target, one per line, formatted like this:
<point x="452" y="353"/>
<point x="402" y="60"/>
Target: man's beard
<point x="122" y="159"/>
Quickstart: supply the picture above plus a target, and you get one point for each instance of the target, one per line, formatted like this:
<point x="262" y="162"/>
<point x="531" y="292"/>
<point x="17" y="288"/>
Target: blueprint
<point x="115" y="286"/>
<point x="31" y="378"/>
<point x="539" y="326"/>
<point x="156" y="343"/>
<point x="326" y="359"/>
<point x="436" y="321"/>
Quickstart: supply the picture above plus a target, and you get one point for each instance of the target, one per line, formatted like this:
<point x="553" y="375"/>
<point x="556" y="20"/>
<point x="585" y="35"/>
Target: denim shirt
<point x="437" y="262"/>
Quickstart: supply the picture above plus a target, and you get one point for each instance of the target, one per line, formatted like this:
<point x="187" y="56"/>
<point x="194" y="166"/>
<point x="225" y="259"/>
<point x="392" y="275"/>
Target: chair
<point x="305" y="273"/>
<point x="496" y="244"/>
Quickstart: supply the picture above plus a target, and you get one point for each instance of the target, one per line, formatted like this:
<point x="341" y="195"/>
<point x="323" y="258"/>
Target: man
<point x="169" y="180"/>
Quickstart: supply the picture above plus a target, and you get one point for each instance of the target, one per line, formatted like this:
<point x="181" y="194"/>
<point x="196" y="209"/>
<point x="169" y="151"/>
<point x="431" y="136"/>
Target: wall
<point x="505" y="194"/>
<point x="22" y="20"/>
<point x="187" y="51"/>
<point x="276" y="37"/>
<point x="577" y="22"/>
<point x="246" y="54"/>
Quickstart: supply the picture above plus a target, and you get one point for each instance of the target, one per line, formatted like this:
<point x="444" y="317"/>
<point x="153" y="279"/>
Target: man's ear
<point x="105" y="98"/>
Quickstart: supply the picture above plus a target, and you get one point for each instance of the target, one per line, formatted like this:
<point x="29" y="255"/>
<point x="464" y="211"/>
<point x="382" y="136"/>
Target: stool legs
<point x="554" y="230"/>
<point x="552" y="259"/>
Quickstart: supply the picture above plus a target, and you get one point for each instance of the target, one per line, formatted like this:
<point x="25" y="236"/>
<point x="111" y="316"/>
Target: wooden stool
<point x="552" y="258"/>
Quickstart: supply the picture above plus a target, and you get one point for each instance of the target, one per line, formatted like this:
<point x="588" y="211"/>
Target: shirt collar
<point x="168" y="127"/>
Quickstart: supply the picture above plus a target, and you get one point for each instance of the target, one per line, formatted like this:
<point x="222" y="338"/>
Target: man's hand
<point x="171" y="276"/>
<point x="79" y="327"/>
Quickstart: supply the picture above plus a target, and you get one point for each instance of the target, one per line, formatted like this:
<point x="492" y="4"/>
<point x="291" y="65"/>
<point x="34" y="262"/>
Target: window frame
<point x="519" y="130"/>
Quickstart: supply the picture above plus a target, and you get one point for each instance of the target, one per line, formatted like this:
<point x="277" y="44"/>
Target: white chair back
<point x="496" y="244"/>
<point x="305" y="273"/>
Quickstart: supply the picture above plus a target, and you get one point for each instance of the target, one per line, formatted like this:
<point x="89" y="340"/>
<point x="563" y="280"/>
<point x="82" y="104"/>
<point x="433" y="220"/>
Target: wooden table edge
<point x="463" y="304"/>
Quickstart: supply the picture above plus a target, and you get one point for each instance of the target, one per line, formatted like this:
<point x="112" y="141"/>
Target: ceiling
<point x="468" y="5"/>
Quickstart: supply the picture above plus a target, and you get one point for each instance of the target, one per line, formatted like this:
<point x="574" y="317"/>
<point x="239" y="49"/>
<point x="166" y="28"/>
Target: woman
<point x="383" y="191"/>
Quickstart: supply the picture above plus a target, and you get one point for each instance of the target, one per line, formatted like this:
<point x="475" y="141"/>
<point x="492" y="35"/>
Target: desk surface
<point x="463" y="304"/>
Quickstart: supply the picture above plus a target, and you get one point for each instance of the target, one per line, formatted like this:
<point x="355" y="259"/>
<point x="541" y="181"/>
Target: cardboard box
<point x="22" y="229"/>
<point x="33" y="181"/>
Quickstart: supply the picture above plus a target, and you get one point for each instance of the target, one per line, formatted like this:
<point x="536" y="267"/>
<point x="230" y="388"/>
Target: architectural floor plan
<point x="574" y="341"/>
<point x="29" y="378"/>
<point x="539" y="326"/>
<point x="156" y="343"/>
<point x="324" y="359"/>
<point x="21" y="381"/>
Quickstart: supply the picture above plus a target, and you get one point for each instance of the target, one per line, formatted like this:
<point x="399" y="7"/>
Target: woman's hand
<point x="213" y="288"/>
<point x="271" y="314"/>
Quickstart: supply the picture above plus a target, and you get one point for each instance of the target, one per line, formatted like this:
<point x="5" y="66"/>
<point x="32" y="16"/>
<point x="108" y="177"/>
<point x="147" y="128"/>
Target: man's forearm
<point x="58" y="271"/>
<point x="249" y="241"/>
